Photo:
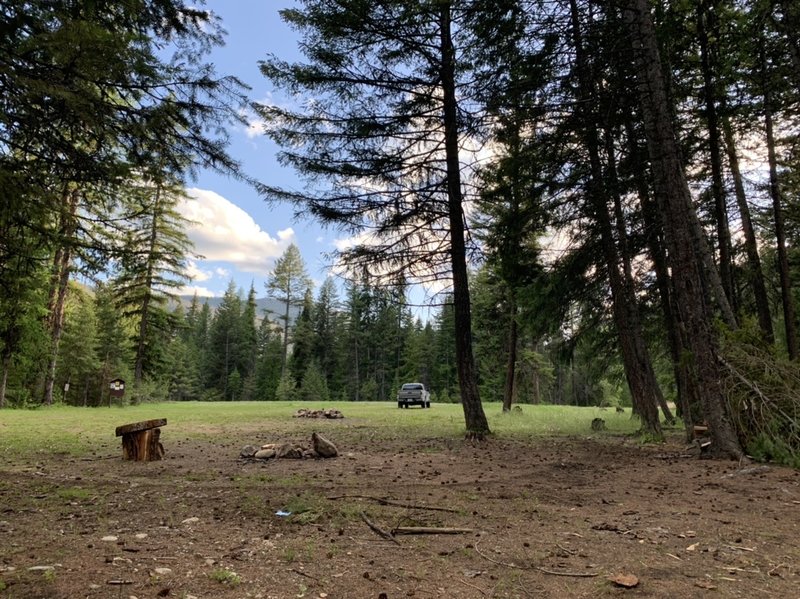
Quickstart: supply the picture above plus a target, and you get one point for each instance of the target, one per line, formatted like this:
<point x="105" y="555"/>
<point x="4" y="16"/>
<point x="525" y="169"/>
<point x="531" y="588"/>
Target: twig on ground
<point x="411" y="506"/>
<point x="430" y="530"/>
<point x="565" y="550"/>
<point x="301" y="573"/>
<point x="379" y="531"/>
<point x="772" y="571"/>
<point x="494" y="561"/>
<point x="576" y="574"/>
<point x="477" y="588"/>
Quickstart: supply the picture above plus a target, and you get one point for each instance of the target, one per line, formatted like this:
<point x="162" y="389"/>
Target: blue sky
<point x="237" y="232"/>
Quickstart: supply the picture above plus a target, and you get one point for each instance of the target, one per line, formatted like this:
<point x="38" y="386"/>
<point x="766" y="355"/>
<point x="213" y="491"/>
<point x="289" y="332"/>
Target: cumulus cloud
<point x="255" y="125"/>
<point x="197" y="274"/>
<point x="190" y="290"/>
<point x="223" y="232"/>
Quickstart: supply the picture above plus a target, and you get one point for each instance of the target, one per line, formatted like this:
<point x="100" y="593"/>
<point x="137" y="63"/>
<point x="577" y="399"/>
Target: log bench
<point x="140" y="440"/>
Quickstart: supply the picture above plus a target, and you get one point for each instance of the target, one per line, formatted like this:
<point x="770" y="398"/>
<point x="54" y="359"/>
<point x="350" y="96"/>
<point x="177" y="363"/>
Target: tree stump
<point x="140" y="440"/>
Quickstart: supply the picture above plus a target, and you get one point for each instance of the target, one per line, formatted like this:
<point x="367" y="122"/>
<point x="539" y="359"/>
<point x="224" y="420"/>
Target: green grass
<point x="224" y="576"/>
<point x="83" y="431"/>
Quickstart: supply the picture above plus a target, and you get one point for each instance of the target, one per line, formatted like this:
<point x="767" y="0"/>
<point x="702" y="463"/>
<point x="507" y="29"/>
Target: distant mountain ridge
<point x="265" y="307"/>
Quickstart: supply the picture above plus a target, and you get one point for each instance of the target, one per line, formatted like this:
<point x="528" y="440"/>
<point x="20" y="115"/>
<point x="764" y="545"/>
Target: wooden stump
<point x="140" y="440"/>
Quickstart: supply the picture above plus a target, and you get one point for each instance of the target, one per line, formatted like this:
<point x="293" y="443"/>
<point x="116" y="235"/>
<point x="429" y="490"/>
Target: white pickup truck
<point x="413" y="394"/>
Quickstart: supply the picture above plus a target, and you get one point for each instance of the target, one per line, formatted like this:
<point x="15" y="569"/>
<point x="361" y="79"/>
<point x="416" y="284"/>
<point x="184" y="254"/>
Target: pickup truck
<point x="413" y="394"/>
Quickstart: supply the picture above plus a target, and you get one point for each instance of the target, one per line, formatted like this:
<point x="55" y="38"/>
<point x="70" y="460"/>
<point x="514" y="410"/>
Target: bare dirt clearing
<point x="552" y="517"/>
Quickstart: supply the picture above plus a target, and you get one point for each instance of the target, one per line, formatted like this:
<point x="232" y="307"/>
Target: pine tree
<point x="288" y="283"/>
<point x="385" y="134"/>
<point x="224" y="341"/>
<point x="154" y="263"/>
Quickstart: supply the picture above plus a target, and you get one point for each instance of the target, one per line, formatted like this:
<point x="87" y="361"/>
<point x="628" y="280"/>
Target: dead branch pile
<point x="763" y="393"/>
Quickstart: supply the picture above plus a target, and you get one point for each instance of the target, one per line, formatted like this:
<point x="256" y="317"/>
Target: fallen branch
<point x="411" y="506"/>
<point x="477" y="588"/>
<point x="575" y="574"/>
<point x="301" y="573"/>
<point x="494" y="561"/>
<point x="379" y="531"/>
<point x="430" y="530"/>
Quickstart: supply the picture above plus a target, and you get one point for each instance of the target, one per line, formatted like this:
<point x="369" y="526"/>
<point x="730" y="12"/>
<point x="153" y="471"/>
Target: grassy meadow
<point x="84" y="431"/>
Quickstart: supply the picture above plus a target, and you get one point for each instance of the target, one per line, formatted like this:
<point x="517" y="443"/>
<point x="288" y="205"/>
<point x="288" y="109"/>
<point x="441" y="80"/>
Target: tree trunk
<point x="755" y="273"/>
<point x="144" y="321"/>
<point x="635" y="357"/>
<point x="777" y="208"/>
<point x="476" y="423"/>
<point x="629" y="287"/>
<point x="285" y="355"/>
<point x="511" y="364"/>
<point x="706" y="25"/>
<point x="4" y="378"/>
<point x="788" y="26"/>
<point x="673" y="191"/>
<point x="59" y="283"/>
<point x="654" y="229"/>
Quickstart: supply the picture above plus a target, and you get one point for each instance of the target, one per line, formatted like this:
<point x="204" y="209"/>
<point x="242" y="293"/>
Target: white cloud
<point x="223" y="232"/>
<point x="257" y="126"/>
<point x="190" y="290"/>
<point x="197" y="274"/>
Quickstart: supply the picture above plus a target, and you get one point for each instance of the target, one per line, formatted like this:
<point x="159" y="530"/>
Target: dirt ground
<point x="554" y="517"/>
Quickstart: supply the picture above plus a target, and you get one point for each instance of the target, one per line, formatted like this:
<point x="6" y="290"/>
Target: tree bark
<point x="672" y="189"/>
<point x="777" y="208"/>
<point x="511" y="364"/>
<point x="636" y="359"/>
<point x="755" y="272"/>
<point x="629" y="287"/>
<point x="654" y="233"/>
<point x="705" y="24"/>
<point x="476" y="423"/>
<point x="4" y="378"/>
<point x="788" y="26"/>
<point x="59" y="283"/>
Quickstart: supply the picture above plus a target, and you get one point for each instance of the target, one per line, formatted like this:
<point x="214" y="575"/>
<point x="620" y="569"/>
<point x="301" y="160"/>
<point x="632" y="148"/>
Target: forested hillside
<point x="608" y="193"/>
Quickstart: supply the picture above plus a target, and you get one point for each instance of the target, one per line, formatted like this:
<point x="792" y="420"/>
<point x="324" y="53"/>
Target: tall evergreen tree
<point x="674" y="198"/>
<point x="303" y="340"/>
<point x="288" y="284"/>
<point x="154" y="263"/>
<point x="385" y="133"/>
<point x="224" y="342"/>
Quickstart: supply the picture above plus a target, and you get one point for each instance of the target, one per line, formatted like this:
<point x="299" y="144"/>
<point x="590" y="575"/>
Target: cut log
<point x="140" y="440"/>
<point x="140" y="426"/>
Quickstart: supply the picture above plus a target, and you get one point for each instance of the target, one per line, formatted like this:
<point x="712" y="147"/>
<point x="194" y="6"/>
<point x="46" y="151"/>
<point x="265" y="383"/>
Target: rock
<point x="289" y="452"/>
<point x="248" y="451"/>
<point x="627" y="581"/>
<point x="140" y="536"/>
<point x="109" y="539"/>
<point x="323" y="447"/>
<point x="264" y="454"/>
<point x="40" y="568"/>
<point x="163" y="571"/>
<point x="268" y="446"/>
<point x="191" y="520"/>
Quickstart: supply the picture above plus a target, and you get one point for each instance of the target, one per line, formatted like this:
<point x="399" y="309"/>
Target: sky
<point x="239" y="235"/>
